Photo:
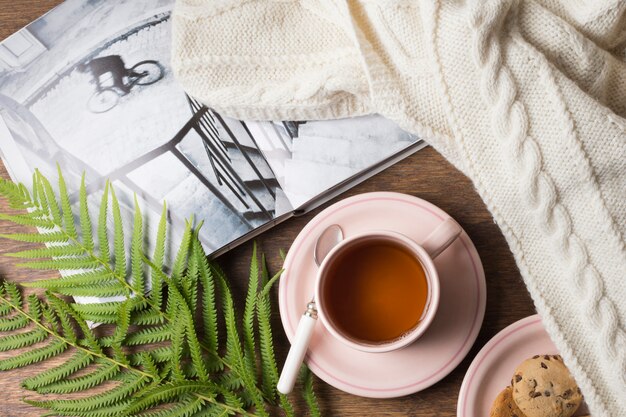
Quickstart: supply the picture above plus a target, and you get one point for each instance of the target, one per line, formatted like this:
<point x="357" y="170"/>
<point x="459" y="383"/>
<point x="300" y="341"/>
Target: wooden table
<point x="425" y="174"/>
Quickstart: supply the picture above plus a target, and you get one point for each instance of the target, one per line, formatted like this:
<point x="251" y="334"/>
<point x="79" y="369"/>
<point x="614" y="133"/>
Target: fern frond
<point x="121" y="330"/>
<point x="85" y="219"/>
<point x="183" y="251"/>
<point x="118" y="237"/>
<point x="62" y="264"/>
<point x="63" y="309"/>
<point x="48" y="252"/>
<point x="103" y="231"/>
<point x="20" y="340"/>
<point x="170" y="391"/>
<point x="97" y="309"/>
<point x="136" y="252"/>
<point x="104" y="289"/>
<point x="306" y="376"/>
<point x="178" y="340"/>
<point x="28" y="220"/>
<point x="55" y="348"/>
<point x="157" y="260"/>
<point x="78" y="361"/>
<point x="234" y="353"/>
<point x="209" y="305"/>
<point x="87" y="279"/>
<point x="16" y="195"/>
<point x="53" y="205"/>
<point x="14" y="294"/>
<point x="269" y="369"/>
<point x="148" y="318"/>
<point x="104" y="372"/>
<point x="13" y="323"/>
<point x="66" y="207"/>
<point x="111" y="411"/>
<point x="131" y="383"/>
<point x="187" y="406"/>
<point x="249" y="313"/>
<point x="163" y="354"/>
<point x="49" y="237"/>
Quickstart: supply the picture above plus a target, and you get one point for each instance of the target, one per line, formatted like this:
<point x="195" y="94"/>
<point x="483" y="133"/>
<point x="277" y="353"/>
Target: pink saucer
<point x="439" y="350"/>
<point x="491" y="370"/>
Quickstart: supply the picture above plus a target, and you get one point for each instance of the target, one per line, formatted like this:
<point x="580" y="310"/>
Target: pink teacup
<point x="446" y="233"/>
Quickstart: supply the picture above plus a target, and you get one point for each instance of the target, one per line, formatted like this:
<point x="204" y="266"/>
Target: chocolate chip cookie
<point x="543" y="387"/>
<point x="504" y="406"/>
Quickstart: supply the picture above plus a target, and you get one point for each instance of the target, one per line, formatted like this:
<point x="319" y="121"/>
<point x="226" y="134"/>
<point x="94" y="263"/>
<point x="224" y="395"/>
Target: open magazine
<point x="89" y="86"/>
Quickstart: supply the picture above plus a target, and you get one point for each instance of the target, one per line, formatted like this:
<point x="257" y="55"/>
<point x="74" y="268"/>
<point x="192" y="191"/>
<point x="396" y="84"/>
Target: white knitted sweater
<point x="526" y="98"/>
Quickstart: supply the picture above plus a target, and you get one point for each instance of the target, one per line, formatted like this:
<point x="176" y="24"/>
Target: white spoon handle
<point x="297" y="351"/>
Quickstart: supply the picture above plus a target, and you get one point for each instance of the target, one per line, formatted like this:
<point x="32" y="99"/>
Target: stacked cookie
<point x="541" y="387"/>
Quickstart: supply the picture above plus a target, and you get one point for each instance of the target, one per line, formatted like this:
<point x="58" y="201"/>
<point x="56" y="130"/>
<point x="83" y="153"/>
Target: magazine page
<point x="89" y="86"/>
<point x="311" y="158"/>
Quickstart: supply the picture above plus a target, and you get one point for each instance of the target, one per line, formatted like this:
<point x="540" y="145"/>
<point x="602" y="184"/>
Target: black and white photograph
<point x="89" y="87"/>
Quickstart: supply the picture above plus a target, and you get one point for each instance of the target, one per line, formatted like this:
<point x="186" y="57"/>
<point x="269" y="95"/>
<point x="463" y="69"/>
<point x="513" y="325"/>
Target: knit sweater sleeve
<point x="267" y="60"/>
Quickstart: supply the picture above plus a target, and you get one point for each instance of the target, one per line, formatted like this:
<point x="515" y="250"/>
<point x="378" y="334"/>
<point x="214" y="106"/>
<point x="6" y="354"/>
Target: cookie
<point x="543" y="387"/>
<point x="504" y="406"/>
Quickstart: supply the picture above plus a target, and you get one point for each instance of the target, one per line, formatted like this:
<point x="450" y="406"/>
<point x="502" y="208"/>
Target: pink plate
<point x="439" y="350"/>
<point x="492" y="368"/>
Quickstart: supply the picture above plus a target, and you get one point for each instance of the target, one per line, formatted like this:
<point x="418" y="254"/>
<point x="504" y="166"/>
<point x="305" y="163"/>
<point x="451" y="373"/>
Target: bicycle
<point x="143" y="73"/>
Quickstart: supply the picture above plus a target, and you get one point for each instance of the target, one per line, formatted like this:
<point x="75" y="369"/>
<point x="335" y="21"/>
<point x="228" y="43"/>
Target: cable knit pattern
<point x="517" y="94"/>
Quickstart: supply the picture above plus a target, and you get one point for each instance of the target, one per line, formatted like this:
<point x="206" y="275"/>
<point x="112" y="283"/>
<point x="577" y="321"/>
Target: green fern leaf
<point x="14" y="294"/>
<point x="111" y="411"/>
<point x="78" y="361"/>
<point x="183" y="252"/>
<point x="194" y="344"/>
<point x="50" y="237"/>
<point x="148" y="317"/>
<point x="130" y="384"/>
<point x="64" y="309"/>
<point x="65" y="319"/>
<point x="62" y="264"/>
<point x="104" y="371"/>
<point x="5" y="308"/>
<point x="189" y="284"/>
<point x="55" y="348"/>
<point x="149" y="364"/>
<point x="249" y="313"/>
<point x="136" y="253"/>
<point x="28" y="220"/>
<point x="234" y="353"/>
<point x="186" y="407"/>
<point x="66" y="206"/>
<point x="86" y="279"/>
<point x="158" y="257"/>
<point x="170" y="391"/>
<point x="149" y="335"/>
<point x="209" y="306"/>
<point x="97" y="309"/>
<point x="269" y="369"/>
<point x="118" y="237"/>
<point x="48" y="252"/>
<point x="18" y="341"/>
<point x="309" y="395"/>
<point x="53" y="205"/>
<point x="103" y="290"/>
<point x="178" y="340"/>
<point x="121" y="330"/>
<point x="85" y="219"/>
<point x="161" y="354"/>
<point x="103" y="233"/>
<point x="13" y="323"/>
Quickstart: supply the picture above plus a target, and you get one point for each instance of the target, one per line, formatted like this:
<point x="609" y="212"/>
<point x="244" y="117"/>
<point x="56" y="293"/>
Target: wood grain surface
<point x="425" y="174"/>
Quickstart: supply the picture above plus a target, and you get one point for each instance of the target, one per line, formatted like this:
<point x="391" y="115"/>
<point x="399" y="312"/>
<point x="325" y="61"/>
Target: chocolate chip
<point x="535" y="357"/>
<point x="566" y="394"/>
<point x="535" y="394"/>
<point x="534" y="382"/>
<point x="546" y="393"/>
<point x="551" y="384"/>
<point x="544" y="366"/>
<point x="511" y="381"/>
<point x="578" y="390"/>
<point x="518" y="378"/>
<point x="547" y="357"/>
<point x="570" y="405"/>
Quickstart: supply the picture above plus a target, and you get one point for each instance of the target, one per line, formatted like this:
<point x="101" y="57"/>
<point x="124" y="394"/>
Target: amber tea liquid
<point x="375" y="292"/>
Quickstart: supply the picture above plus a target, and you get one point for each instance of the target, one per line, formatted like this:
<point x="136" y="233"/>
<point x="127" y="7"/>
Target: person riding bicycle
<point x="113" y="64"/>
